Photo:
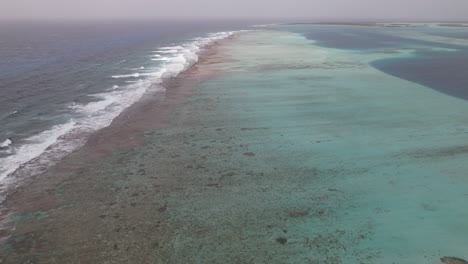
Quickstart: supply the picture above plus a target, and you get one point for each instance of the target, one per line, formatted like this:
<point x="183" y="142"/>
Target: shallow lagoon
<point x="293" y="153"/>
<point x="356" y="166"/>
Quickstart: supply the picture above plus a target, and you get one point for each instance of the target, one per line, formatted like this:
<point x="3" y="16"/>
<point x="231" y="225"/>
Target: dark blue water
<point x="362" y="37"/>
<point x="57" y="73"/>
<point x="44" y="66"/>
<point x="54" y="76"/>
<point x="449" y="32"/>
<point x="444" y="71"/>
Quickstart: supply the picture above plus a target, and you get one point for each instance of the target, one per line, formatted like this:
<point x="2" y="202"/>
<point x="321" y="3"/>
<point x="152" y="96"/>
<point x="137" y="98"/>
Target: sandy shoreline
<point x="127" y="130"/>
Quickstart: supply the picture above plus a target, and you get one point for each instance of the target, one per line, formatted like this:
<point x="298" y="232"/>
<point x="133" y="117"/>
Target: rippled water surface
<point x="70" y="79"/>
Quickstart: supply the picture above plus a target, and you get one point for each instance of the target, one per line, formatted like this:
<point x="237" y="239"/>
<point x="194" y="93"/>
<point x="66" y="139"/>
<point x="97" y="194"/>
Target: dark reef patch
<point x="440" y="152"/>
<point x="298" y="213"/>
<point x="453" y="260"/>
<point x="282" y="240"/>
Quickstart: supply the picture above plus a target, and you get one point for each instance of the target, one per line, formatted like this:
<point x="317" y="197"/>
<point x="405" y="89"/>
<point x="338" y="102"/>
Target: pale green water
<point x="293" y="154"/>
<point x="375" y="165"/>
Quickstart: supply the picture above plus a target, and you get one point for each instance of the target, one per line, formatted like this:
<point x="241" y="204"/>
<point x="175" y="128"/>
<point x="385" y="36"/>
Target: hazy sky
<point x="303" y="9"/>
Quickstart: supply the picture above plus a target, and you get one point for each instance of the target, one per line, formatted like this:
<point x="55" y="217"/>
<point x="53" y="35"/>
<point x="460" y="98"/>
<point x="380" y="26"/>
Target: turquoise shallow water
<point x="438" y="54"/>
<point x="374" y="165"/>
<point x="293" y="153"/>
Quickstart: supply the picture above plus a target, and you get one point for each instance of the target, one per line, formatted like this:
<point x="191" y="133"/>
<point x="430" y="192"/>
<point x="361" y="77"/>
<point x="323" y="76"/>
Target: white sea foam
<point x="169" y="51"/>
<point x="31" y="148"/>
<point x="161" y="59"/>
<point x="35" y="154"/>
<point x="133" y="75"/>
<point x="6" y="143"/>
<point x="138" y="75"/>
<point x="5" y="115"/>
<point x="136" y="69"/>
<point x="172" y="48"/>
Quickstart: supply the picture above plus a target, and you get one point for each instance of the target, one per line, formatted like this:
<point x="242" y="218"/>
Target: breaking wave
<point x="36" y="154"/>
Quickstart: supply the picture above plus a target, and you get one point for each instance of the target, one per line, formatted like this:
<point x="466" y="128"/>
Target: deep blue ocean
<point x="60" y="79"/>
<point x="434" y="62"/>
<point x="311" y="144"/>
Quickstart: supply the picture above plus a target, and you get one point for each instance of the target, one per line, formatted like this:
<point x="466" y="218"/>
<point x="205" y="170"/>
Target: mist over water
<point x="305" y="10"/>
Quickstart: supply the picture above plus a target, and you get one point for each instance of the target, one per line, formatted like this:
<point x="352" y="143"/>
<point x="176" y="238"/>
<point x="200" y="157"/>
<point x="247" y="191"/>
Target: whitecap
<point x="37" y="153"/>
<point x="172" y="48"/>
<point x="31" y="148"/>
<point x="133" y="75"/>
<point x="160" y="59"/>
<point x="5" y="144"/>
<point x="136" y="69"/>
<point x="169" y="51"/>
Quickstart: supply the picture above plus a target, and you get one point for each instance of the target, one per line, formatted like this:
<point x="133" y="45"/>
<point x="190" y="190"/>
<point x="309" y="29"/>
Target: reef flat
<point x="271" y="150"/>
